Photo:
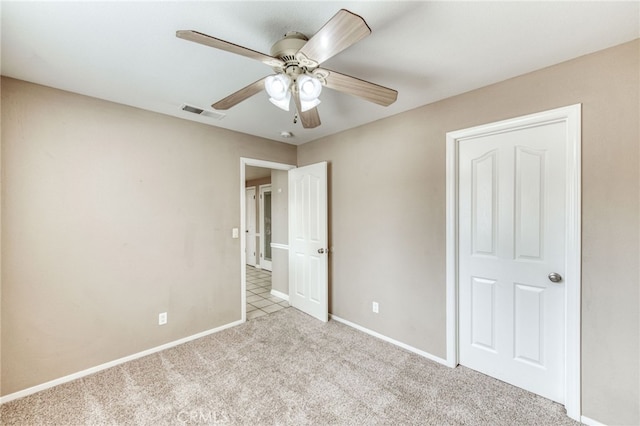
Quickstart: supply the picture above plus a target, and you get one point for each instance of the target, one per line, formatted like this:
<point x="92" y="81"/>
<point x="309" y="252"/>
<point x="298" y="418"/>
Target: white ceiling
<point x="127" y="52"/>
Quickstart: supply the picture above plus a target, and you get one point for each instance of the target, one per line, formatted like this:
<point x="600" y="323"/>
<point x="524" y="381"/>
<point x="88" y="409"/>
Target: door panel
<point x="530" y="190"/>
<point x="529" y="323"/>
<point x="511" y="236"/>
<point x="299" y="282"/>
<point x="485" y="205"/>
<point x="308" y="254"/>
<point x="483" y="305"/>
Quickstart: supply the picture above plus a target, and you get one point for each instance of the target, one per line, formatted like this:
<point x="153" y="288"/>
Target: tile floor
<point x="259" y="299"/>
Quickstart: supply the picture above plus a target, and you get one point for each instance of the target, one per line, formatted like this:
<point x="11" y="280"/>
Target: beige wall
<point x="387" y="192"/>
<point x="110" y="216"/>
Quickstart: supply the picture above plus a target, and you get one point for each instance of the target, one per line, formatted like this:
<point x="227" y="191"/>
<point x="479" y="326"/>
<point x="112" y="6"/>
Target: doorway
<point x="278" y="235"/>
<point x="300" y="269"/>
<point x="513" y="252"/>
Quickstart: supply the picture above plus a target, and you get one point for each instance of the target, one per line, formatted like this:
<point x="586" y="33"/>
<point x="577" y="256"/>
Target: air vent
<point x="199" y="111"/>
<point x="192" y="109"/>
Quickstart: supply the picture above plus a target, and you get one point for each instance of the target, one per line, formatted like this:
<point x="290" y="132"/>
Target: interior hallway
<point x="259" y="299"/>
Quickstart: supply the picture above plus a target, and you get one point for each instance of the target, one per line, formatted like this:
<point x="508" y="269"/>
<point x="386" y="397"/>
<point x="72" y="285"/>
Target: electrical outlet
<point x="375" y="307"/>
<point x="162" y="318"/>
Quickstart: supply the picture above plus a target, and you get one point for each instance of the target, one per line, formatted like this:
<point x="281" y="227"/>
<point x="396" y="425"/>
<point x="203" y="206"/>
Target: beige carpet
<point x="281" y="369"/>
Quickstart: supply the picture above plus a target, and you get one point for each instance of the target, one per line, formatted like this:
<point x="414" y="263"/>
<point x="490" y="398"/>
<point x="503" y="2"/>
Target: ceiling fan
<point x="296" y="61"/>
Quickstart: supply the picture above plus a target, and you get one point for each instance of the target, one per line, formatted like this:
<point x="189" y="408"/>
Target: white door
<point x="512" y="191"/>
<point x="265" y="227"/>
<point x="250" y="226"/>
<point x="308" y="247"/>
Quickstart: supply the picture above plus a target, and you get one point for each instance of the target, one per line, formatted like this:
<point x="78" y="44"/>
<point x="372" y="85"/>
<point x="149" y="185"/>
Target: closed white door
<point x="250" y="225"/>
<point x="308" y="247"/>
<point x="511" y="238"/>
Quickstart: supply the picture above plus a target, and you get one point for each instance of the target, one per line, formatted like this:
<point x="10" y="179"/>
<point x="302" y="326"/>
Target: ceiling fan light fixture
<point x="309" y="88"/>
<point x="277" y="86"/>
<point x="282" y="103"/>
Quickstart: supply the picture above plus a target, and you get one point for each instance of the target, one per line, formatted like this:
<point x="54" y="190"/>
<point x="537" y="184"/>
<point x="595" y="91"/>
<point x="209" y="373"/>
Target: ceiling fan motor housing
<point x="285" y="49"/>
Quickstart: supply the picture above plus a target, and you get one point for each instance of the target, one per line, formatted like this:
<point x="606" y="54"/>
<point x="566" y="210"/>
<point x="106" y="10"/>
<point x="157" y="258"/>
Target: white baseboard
<point x="392" y="341"/>
<point x="590" y="422"/>
<point x="281" y="295"/>
<point x="93" y="370"/>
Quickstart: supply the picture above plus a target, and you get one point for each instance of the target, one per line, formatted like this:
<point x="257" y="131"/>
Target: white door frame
<point x="243" y="272"/>
<point x="571" y="115"/>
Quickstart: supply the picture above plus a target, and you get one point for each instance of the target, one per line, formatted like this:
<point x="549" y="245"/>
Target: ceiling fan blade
<point x="309" y="118"/>
<point x="207" y="40"/>
<point x="354" y="86"/>
<point x="340" y="32"/>
<point x="239" y="96"/>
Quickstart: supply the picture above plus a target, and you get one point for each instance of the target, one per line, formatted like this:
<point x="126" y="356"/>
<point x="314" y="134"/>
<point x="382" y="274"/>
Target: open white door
<point x="308" y="240"/>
